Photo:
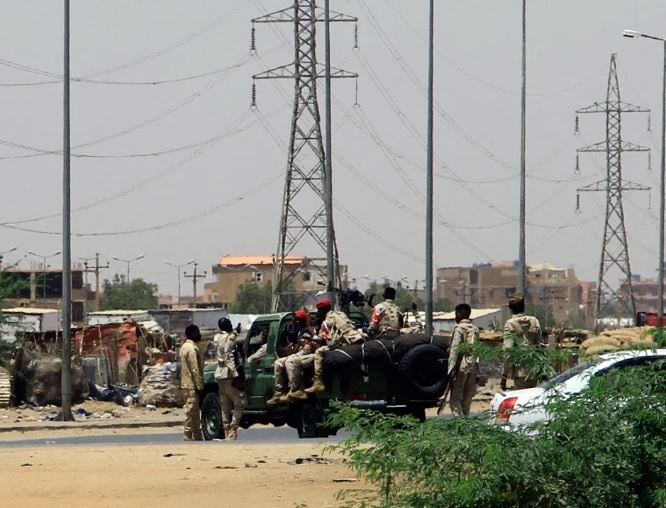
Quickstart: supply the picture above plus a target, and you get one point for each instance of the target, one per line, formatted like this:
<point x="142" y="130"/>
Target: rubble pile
<point x="622" y="338"/>
<point x="42" y="375"/>
<point x="160" y="386"/>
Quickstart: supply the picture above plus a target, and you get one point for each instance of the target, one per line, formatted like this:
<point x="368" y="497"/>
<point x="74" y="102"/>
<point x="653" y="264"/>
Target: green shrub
<point x="604" y="447"/>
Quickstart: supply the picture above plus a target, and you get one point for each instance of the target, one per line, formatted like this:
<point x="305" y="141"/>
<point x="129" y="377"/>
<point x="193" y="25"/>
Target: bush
<point x="604" y="447"/>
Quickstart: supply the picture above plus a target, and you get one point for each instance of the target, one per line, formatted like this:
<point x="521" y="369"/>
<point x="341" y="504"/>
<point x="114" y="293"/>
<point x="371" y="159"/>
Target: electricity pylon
<point x="614" y="248"/>
<point x="304" y="200"/>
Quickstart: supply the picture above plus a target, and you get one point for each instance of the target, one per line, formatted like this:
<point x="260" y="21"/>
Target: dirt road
<point x="189" y="474"/>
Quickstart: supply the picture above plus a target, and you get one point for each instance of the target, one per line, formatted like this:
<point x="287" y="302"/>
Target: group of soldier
<point x="332" y="330"/>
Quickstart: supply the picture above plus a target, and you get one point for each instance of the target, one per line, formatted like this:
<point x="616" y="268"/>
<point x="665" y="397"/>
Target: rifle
<point x="452" y="378"/>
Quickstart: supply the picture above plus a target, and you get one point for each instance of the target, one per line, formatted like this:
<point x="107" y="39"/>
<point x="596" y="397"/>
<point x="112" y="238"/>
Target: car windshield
<point x="568" y="374"/>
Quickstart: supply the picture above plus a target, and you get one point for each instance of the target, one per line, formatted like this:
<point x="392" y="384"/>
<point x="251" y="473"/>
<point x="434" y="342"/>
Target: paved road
<point x="259" y="435"/>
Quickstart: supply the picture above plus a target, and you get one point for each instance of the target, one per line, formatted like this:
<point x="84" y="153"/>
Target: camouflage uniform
<point x="232" y="400"/>
<point x="191" y="382"/>
<point x="385" y="318"/>
<point x="464" y="384"/>
<point x="338" y="330"/>
<point x="526" y="330"/>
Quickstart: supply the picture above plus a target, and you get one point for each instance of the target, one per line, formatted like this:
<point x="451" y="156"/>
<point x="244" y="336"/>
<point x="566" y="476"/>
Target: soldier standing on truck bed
<point x="386" y="319"/>
<point x="337" y="330"/>
<point x="463" y="367"/>
<point x="191" y="382"/>
<point x="230" y="376"/>
<point x="519" y="329"/>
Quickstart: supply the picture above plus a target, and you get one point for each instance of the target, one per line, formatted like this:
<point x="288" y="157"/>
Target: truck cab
<point x="357" y="384"/>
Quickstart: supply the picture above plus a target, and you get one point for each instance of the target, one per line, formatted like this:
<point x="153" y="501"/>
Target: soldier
<point x="337" y="330"/>
<point x="288" y="372"/>
<point x="386" y="318"/>
<point x="191" y="382"/>
<point x="300" y="344"/>
<point x="519" y="329"/>
<point x="230" y="376"/>
<point x="260" y="353"/>
<point x="463" y="367"/>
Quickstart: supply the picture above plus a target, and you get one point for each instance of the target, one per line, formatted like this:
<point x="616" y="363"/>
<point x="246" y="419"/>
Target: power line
<point x="178" y="222"/>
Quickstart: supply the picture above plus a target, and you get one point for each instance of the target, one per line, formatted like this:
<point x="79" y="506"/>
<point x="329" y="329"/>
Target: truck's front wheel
<point x="211" y="417"/>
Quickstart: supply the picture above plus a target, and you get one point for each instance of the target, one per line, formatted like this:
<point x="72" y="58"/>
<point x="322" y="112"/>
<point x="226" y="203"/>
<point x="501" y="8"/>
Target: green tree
<point x="443" y="305"/>
<point x="252" y="298"/>
<point x="136" y="295"/>
<point x="11" y="287"/>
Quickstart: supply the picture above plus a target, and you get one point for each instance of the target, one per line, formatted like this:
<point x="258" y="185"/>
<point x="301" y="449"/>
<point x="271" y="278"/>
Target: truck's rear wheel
<point x="211" y="417"/>
<point x="310" y="421"/>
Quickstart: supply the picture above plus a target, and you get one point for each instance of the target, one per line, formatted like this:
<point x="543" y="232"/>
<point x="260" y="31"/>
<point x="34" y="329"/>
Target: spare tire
<point x="423" y="370"/>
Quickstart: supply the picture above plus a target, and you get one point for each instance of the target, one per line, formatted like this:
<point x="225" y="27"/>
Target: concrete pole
<point x="429" y="178"/>
<point x="662" y="198"/>
<point x="66" y="239"/>
<point x="330" y="233"/>
<point x="523" y="171"/>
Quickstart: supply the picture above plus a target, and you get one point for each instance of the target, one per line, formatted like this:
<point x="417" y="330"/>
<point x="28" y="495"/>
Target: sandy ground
<point x="189" y="474"/>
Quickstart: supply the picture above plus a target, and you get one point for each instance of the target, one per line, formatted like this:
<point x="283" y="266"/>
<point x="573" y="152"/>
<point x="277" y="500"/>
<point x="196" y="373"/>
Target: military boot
<point x="276" y="399"/>
<point x="317" y="387"/>
<point x="233" y="433"/>
<point x="227" y="431"/>
<point x="297" y="395"/>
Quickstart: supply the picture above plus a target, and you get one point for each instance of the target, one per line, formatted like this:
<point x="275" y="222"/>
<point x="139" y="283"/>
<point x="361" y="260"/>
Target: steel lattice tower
<point x="614" y="248"/>
<point x="303" y="205"/>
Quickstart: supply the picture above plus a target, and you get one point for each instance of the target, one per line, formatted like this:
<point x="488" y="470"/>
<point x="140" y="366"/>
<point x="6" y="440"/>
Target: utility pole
<point x="195" y="276"/>
<point x="307" y="181"/>
<point x="179" y="268"/>
<point x="522" y="261"/>
<point x="614" y="248"/>
<point x="430" y="173"/>
<point x="66" y="383"/>
<point x="96" y="270"/>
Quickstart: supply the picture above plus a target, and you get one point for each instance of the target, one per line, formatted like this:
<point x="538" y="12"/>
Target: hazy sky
<point x="218" y="187"/>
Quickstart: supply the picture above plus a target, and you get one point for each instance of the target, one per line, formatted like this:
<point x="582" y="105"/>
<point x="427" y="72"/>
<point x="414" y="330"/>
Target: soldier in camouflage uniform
<point x="386" y="319"/>
<point x="519" y="329"/>
<point x="337" y="330"/>
<point x="191" y="382"/>
<point x="463" y="367"/>
<point x="229" y="375"/>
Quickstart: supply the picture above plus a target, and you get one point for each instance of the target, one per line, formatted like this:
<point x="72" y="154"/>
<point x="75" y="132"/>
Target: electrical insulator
<point x="253" y="104"/>
<point x="253" y="41"/>
<point x="356" y="103"/>
<point x="578" y="204"/>
<point x="356" y="35"/>
<point x="576" y="129"/>
<point x="577" y="165"/>
<point x="649" y="129"/>
<point x="650" y="160"/>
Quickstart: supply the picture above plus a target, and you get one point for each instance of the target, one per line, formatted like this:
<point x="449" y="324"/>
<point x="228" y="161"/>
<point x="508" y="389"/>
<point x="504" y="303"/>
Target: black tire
<point x="419" y="413"/>
<point x="310" y="421"/>
<point x="423" y="371"/>
<point x="211" y="417"/>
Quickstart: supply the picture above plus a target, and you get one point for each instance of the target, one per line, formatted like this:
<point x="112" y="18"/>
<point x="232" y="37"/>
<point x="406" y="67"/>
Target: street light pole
<point x="522" y="261"/>
<point x="179" y="267"/>
<point x="128" y="261"/>
<point x="662" y="177"/>
<point x="66" y="384"/>
<point x="430" y="172"/>
<point x="44" y="258"/>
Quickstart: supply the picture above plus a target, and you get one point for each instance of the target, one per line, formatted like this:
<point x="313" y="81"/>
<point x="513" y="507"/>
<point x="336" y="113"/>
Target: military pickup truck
<point x="402" y="376"/>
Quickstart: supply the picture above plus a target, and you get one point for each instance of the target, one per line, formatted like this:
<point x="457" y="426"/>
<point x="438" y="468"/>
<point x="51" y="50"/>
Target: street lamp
<point x="129" y="261"/>
<point x="6" y="252"/>
<point x="179" y="267"/>
<point x="44" y="258"/>
<point x="662" y="186"/>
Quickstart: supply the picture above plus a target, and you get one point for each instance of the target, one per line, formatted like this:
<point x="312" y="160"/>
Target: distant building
<point x="43" y="289"/>
<point x="646" y="293"/>
<point x="490" y="285"/>
<point x="234" y="271"/>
